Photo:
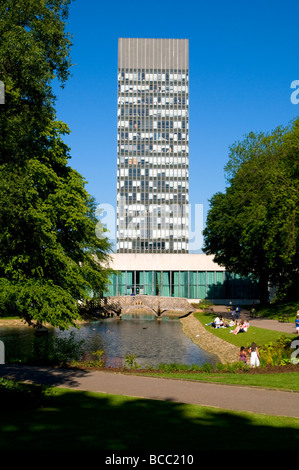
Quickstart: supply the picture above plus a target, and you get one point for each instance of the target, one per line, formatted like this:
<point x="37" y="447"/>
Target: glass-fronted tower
<point x="153" y="146"/>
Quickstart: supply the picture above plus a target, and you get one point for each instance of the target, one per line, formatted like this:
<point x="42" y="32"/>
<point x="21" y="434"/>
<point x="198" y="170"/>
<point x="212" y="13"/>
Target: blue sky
<point x="243" y="58"/>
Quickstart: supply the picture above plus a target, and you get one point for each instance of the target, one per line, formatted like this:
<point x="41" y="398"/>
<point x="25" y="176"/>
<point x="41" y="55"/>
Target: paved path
<point x="288" y="327"/>
<point x="265" y="401"/>
<point x="229" y="397"/>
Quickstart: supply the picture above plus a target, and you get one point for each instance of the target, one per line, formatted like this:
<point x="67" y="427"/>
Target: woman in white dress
<point x="254" y="355"/>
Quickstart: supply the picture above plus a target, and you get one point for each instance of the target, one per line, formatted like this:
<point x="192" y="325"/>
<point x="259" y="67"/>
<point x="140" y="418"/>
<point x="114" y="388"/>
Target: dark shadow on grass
<point x="72" y="421"/>
<point x="42" y="375"/>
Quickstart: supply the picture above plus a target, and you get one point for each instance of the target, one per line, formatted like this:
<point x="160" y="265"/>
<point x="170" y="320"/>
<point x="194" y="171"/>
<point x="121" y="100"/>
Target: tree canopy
<point x="50" y="256"/>
<point x="252" y="228"/>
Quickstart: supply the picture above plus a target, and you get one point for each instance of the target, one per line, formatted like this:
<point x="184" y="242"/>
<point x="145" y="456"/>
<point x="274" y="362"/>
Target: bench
<point x="284" y="317"/>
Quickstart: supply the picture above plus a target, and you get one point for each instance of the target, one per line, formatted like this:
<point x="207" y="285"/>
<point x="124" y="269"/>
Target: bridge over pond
<point x="143" y="304"/>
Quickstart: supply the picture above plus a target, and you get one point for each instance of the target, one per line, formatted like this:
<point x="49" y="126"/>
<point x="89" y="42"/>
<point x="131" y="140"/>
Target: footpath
<point x="229" y="397"/>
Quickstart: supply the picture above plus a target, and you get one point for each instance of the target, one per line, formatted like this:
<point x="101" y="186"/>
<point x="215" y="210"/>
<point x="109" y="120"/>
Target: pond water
<point x="153" y="341"/>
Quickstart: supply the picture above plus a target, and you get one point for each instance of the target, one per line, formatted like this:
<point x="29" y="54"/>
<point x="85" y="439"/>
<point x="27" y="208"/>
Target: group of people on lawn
<point x="240" y="327"/>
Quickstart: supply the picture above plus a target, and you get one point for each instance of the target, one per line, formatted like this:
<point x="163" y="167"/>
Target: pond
<point x="154" y="342"/>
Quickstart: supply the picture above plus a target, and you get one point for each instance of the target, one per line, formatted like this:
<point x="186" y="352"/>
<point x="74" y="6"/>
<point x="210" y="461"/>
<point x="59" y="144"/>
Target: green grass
<point x="283" y="381"/>
<point x="272" y="311"/>
<point x="260" y="336"/>
<point x="71" y="420"/>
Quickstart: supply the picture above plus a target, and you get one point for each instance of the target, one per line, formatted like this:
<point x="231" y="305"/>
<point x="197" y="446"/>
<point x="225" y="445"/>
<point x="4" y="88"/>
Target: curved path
<point x="229" y="397"/>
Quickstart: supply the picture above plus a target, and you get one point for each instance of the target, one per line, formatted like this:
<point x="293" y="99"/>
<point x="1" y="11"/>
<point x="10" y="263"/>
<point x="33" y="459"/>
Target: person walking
<point x="254" y="355"/>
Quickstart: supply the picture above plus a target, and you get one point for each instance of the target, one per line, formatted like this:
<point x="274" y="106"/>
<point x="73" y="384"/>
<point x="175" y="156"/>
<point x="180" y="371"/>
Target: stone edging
<point x="226" y="352"/>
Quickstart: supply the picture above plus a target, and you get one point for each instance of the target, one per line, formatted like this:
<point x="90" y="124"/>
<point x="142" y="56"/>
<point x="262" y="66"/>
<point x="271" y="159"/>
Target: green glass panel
<point x="121" y="289"/>
<point x="141" y="278"/>
<point x="201" y="278"/>
<point x="219" y="277"/>
<point x="148" y="289"/>
<point x="166" y="283"/>
<point x="148" y="277"/>
<point x="193" y="292"/>
<point x="184" y="291"/>
<point x="175" y="280"/>
<point x="112" y="290"/>
<point x="184" y="278"/>
<point x="201" y="292"/>
<point x="148" y="283"/>
<point x="210" y="277"/>
<point x="157" y="282"/>
<point x="193" y="278"/>
<point x="129" y="277"/>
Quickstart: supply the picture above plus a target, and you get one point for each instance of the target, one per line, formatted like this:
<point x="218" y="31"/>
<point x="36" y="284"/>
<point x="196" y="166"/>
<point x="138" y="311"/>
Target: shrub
<point x="276" y="353"/>
<point x="54" y="350"/>
<point x="175" y="367"/>
<point x="130" y="360"/>
<point x="232" y="367"/>
<point x="202" y="305"/>
<point x="207" y="367"/>
<point x="98" y="360"/>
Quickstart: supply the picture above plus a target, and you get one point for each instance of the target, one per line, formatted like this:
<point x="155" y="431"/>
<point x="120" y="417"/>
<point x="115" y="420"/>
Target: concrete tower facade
<point x="153" y="146"/>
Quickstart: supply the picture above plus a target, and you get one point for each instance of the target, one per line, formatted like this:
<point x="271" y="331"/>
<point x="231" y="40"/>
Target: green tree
<point x="252" y="228"/>
<point x="34" y="49"/>
<point x="50" y="256"/>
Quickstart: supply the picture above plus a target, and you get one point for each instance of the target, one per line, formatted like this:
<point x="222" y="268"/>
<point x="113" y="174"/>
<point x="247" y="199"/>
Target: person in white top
<point x="254" y="355"/>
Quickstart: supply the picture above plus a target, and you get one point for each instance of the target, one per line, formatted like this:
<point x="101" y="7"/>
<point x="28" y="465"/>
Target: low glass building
<point x="192" y="276"/>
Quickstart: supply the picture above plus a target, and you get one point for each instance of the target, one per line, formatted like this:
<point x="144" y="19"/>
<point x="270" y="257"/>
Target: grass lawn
<point x="73" y="420"/>
<point x="272" y="311"/>
<point x="283" y="381"/>
<point x="260" y="336"/>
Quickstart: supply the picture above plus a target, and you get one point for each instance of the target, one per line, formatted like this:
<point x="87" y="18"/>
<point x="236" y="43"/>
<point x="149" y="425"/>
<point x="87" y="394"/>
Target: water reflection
<point x="153" y="341"/>
<point x="18" y="342"/>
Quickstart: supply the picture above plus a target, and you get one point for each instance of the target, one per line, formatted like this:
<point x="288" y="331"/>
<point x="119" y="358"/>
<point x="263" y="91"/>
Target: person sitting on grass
<point x="216" y="323"/>
<point x="240" y="327"/>
<point x="244" y="326"/>
<point x="225" y="324"/>
<point x="237" y="328"/>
